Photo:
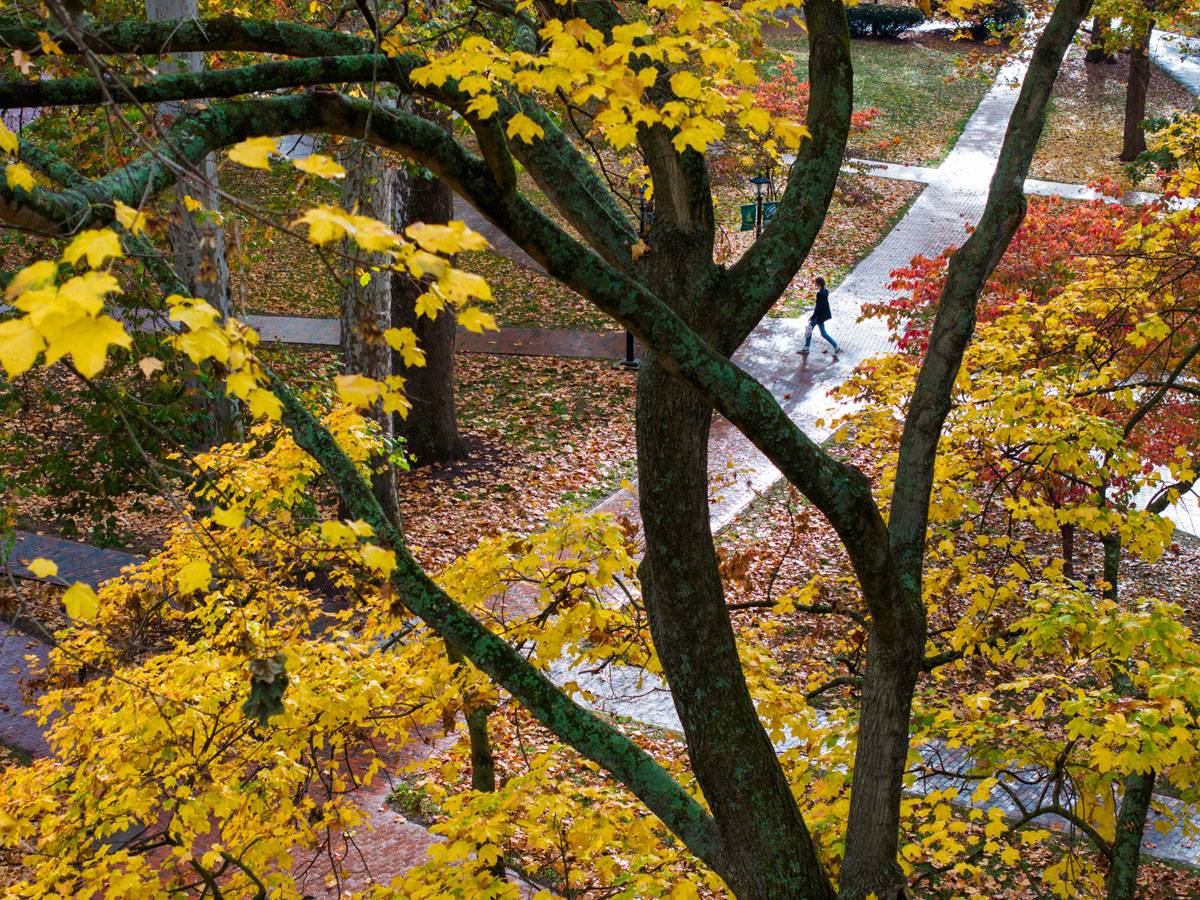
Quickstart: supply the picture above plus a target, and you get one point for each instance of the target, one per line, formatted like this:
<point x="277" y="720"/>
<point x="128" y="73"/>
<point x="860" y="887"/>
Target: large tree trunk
<point x="198" y="241"/>
<point x="430" y="431"/>
<point x="763" y="835"/>
<point x="370" y="185"/>
<point x="896" y="638"/>
<point x="1134" y="142"/>
<point x="1097" y="52"/>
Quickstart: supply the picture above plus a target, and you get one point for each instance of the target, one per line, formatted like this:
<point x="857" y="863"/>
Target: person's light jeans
<point x="825" y="334"/>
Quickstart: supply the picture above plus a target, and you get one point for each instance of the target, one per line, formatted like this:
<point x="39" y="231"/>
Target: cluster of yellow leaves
<point x="682" y="68"/>
<point x="67" y="318"/>
<point x="16" y="174"/>
<point x="422" y="252"/>
<point x="1030" y="448"/>
<point x="156" y="738"/>
<point x="560" y="817"/>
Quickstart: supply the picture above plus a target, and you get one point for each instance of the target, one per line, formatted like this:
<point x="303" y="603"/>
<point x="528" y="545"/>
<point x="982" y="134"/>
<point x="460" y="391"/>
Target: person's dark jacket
<point x="822" y="312"/>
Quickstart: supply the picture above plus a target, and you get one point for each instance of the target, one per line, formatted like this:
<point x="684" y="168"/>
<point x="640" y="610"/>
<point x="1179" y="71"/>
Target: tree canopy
<point x="244" y="685"/>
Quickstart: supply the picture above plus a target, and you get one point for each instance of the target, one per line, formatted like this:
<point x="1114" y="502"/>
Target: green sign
<point x="748" y="214"/>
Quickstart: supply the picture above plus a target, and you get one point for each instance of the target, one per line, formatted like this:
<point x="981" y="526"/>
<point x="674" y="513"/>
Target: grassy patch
<point x="1082" y="137"/>
<point x="915" y="83"/>
<point x="414" y="803"/>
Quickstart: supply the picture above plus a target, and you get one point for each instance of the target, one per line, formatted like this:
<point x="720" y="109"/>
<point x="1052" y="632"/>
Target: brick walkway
<point x="1041" y="187"/>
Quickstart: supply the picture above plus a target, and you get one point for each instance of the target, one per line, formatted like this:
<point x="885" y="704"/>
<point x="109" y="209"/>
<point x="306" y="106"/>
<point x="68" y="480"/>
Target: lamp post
<point x="759" y="182"/>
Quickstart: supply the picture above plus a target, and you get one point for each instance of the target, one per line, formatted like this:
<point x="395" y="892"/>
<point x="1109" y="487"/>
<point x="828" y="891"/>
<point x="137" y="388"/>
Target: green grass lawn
<point x="915" y="84"/>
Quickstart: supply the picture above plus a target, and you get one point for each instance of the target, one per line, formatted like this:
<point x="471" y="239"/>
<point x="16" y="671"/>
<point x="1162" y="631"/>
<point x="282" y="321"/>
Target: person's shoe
<point x="804" y="350"/>
<point x="837" y="350"/>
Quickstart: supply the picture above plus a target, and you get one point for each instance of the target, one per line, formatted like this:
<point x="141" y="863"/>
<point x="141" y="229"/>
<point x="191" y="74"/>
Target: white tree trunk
<point x="198" y="241"/>
<point x="366" y="308"/>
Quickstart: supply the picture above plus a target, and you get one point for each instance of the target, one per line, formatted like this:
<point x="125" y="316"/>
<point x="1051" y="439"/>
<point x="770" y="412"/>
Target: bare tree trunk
<point x="1121" y="881"/>
<point x="430" y="430"/>
<point x="370" y="185"/>
<point x="198" y="240"/>
<point x="1067" y="533"/>
<point x="896" y="638"/>
<point x="1097" y="52"/>
<point x="1134" y="141"/>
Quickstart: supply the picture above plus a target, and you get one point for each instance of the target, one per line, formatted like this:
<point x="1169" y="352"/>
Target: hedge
<point x="882" y="20"/>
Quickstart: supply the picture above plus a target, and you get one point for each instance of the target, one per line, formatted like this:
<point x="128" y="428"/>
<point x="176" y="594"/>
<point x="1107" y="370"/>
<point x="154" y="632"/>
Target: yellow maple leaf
<point x="87" y="291"/>
<point x="429" y="304"/>
<point x="8" y="140"/>
<point x="42" y="567"/>
<point x="49" y="47"/>
<point x="195" y="576"/>
<point x="264" y="404"/>
<point x="791" y="132"/>
<point x="371" y="234"/>
<point x="86" y="340"/>
<point x="357" y="390"/>
<point x="131" y="220"/>
<point x="454" y="237"/>
<point x="20" y="345"/>
<point x="40" y="274"/>
<point x="525" y="128"/>
<point x="459" y="286"/>
<point x="696" y="133"/>
<point x="97" y="245"/>
<point x="484" y="106"/>
<point x="17" y="175"/>
<point x="81" y="602"/>
<point x="338" y="534"/>
<point x="254" y="152"/>
<point x="404" y="341"/>
<point x="382" y="561"/>
<point x="231" y="517"/>
<point x="686" y="85"/>
<point x="395" y="401"/>
<point x="475" y="319"/>
<point x="320" y="165"/>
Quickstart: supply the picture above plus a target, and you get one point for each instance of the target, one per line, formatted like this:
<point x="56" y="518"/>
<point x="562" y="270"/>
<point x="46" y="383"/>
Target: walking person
<point x="821" y="315"/>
